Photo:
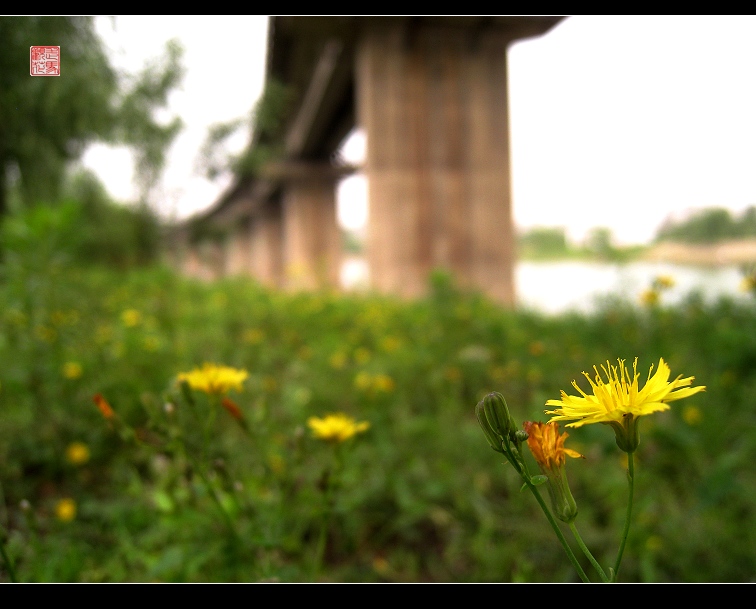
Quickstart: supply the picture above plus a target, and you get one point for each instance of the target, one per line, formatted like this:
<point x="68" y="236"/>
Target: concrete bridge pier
<point x="433" y="102"/>
<point x="310" y="235"/>
<point x="266" y="247"/>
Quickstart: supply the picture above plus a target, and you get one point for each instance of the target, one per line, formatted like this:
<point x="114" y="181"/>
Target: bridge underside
<point x="431" y="95"/>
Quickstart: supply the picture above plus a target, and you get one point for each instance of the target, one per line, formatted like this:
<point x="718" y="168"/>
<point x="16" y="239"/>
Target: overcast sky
<point x="615" y="121"/>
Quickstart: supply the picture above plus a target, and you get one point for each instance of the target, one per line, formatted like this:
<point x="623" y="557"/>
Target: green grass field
<point x="175" y="489"/>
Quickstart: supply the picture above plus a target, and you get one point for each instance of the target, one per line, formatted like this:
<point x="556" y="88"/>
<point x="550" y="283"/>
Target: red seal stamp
<point x="44" y="61"/>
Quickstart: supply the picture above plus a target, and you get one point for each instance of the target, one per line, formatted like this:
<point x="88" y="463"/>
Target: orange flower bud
<point x="104" y="407"/>
<point x="232" y="408"/>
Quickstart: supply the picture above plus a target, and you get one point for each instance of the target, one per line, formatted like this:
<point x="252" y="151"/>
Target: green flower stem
<point x="630" y="481"/>
<point x="587" y="553"/>
<point x="6" y="559"/>
<point x="329" y="500"/>
<point x="557" y="530"/>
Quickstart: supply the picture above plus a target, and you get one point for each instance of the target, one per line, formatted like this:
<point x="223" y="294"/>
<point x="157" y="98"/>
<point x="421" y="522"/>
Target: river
<point x="561" y="286"/>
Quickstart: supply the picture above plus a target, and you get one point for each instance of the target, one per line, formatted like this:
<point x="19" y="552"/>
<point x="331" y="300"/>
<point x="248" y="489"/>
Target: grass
<point x="418" y="497"/>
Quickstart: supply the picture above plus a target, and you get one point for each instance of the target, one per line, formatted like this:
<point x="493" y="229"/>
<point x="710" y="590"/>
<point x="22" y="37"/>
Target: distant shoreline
<point x="741" y="251"/>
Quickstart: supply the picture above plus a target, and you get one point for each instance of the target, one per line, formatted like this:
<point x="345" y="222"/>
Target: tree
<point x="47" y="122"/>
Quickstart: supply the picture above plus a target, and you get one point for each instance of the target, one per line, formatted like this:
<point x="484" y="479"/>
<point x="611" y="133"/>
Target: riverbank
<point x="742" y="251"/>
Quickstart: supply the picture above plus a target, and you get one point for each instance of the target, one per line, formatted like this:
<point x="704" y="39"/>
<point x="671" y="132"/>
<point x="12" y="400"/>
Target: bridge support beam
<point x="433" y="103"/>
<point x="311" y="237"/>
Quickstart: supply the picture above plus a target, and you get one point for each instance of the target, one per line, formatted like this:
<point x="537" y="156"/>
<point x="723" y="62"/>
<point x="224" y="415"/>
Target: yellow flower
<point x="131" y="318"/>
<point x="547" y="446"/>
<point x="77" y="453"/>
<point x="617" y="401"/>
<point x="692" y="415"/>
<point x="72" y="370"/>
<point x="65" y="510"/>
<point x="336" y="427"/>
<point x="649" y="297"/>
<point x="748" y="283"/>
<point x="664" y="282"/>
<point x="213" y="379"/>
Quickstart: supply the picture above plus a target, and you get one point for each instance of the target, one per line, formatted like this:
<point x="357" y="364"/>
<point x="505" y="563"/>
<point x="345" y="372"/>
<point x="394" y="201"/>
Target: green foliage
<point x="550" y="243"/>
<point x="543" y="242"/>
<point x="86" y="227"/>
<point x="266" y="125"/>
<point x="421" y="495"/>
<point x="710" y="225"/>
<point x="48" y="122"/>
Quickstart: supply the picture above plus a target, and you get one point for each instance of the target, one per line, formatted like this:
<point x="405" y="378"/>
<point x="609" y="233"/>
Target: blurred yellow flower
<point x="692" y="415"/>
<point x="45" y="334"/>
<point x="72" y="370"/>
<point x="336" y="427"/>
<point x="748" y="283"/>
<point x="151" y="343"/>
<point x="338" y="360"/>
<point x="65" y="510"/>
<point x="664" y="282"/>
<point x="214" y="379"/>
<point x="363" y="380"/>
<point x="390" y="344"/>
<point x="649" y="297"/>
<point x="77" y="453"/>
<point x="384" y="383"/>
<point x="131" y="318"/>
<point x="253" y="336"/>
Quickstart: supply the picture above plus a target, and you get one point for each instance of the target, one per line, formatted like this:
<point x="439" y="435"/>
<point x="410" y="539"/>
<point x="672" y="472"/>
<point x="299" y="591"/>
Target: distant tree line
<point x="710" y="225"/>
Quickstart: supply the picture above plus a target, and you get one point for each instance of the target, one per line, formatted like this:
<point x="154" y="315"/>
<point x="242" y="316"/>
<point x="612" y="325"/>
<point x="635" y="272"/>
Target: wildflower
<point x="383" y="383"/>
<point x="213" y="379"/>
<point x="103" y="405"/>
<point x="65" y="510"/>
<point x="232" y="408"/>
<point x="338" y="360"/>
<point x="72" y="370"/>
<point x="151" y="343"/>
<point x="363" y="381"/>
<point x="253" y="336"/>
<point x="77" y="453"/>
<point x="619" y="402"/>
<point x="131" y="318"/>
<point x="692" y="415"/>
<point x="748" y="283"/>
<point x="664" y="282"/>
<point x="649" y="297"/>
<point x="547" y="446"/>
<point x="336" y="428"/>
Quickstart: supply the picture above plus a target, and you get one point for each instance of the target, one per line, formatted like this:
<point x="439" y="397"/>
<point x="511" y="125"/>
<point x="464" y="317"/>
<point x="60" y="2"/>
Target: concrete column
<point x="266" y="247"/>
<point x="238" y="259"/>
<point x="433" y="102"/>
<point x="311" y="237"/>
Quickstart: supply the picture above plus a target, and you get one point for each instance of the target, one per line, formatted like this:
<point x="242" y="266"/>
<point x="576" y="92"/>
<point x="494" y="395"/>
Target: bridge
<point x="431" y="95"/>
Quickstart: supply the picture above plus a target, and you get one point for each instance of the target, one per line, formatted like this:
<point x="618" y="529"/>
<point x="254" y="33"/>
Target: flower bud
<point x="496" y="421"/>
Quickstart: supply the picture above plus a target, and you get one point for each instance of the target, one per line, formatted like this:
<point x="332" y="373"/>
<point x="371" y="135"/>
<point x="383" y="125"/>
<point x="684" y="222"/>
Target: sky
<point x="621" y="122"/>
